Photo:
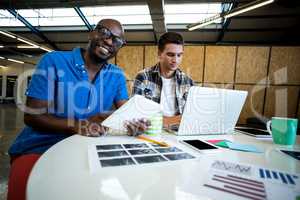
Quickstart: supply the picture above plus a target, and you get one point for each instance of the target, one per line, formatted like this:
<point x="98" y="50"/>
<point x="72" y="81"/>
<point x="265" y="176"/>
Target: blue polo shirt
<point x="61" y="78"/>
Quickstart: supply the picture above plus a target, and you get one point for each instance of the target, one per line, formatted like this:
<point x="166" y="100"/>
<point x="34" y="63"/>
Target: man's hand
<point x="92" y="126"/>
<point x="136" y="127"/>
<point x="168" y="122"/>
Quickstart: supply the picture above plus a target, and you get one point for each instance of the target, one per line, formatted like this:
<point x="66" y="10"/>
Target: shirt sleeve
<point x="138" y="86"/>
<point x="122" y="93"/>
<point x="43" y="80"/>
<point x="192" y="83"/>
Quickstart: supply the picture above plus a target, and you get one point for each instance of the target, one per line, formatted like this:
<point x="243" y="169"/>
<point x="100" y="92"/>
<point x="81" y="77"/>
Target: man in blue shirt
<point x="70" y="93"/>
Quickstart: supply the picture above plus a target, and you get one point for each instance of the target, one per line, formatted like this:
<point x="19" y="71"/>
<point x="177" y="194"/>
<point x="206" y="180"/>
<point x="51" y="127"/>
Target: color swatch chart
<point x="238" y="186"/>
<point x="280" y="177"/>
<point x="244" y="181"/>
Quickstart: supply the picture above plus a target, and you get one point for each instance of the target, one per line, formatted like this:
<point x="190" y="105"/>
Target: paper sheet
<point x="243" y="147"/>
<point x="227" y="180"/>
<point x="235" y="146"/>
<point x="132" y="154"/>
<point x="137" y="107"/>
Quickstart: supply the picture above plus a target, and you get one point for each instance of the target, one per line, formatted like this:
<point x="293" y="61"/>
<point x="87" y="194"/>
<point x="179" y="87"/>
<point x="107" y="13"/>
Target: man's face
<point x="170" y="58"/>
<point x="105" y="41"/>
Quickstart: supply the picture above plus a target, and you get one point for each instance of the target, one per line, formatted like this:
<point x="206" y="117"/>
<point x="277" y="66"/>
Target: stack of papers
<point x="232" y="180"/>
<point x="135" y="108"/>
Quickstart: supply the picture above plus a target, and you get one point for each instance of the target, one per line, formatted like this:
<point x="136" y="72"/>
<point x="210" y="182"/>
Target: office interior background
<point x="257" y="51"/>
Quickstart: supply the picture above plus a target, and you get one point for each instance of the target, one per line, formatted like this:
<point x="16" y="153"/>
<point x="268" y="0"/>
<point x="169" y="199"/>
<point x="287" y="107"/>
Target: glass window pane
<point x="60" y="21"/>
<point x="190" y="13"/>
<point x="7" y="19"/>
<point x="125" y="14"/>
<point x="60" y="12"/>
<point x="130" y="19"/>
<point x="10" y="22"/>
<point x="5" y="13"/>
<point x="1" y="86"/>
<point x="29" y="13"/>
<point x="188" y="18"/>
<point x="193" y="8"/>
<point x="10" y="85"/>
<point x="115" y="10"/>
<point x="52" y="17"/>
<point x="28" y="80"/>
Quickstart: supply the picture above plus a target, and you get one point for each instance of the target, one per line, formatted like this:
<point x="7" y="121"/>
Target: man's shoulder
<point x="182" y="75"/>
<point x="114" y="67"/>
<point x="115" y="70"/>
<point x="57" y="54"/>
<point x="147" y="70"/>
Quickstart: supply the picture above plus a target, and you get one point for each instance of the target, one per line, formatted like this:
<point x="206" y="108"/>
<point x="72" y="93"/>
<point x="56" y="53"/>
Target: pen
<point x="163" y="144"/>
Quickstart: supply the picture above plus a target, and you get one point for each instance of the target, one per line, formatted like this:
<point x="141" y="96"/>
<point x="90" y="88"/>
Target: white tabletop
<point x="63" y="173"/>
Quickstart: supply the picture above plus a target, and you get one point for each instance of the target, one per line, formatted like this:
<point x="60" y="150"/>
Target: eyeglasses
<point x="107" y="34"/>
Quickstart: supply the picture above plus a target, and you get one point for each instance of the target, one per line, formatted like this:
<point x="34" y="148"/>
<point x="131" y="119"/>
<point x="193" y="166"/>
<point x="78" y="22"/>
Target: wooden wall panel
<point x="130" y="58"/>
<point x="254" y="102"/>
<point x="129" y="87"/>
<point x="151" y="57"/>
<point x="281" y="101"/>
<point x="252" y="63"/>
<point x="192" y="63"/>
<point x="214" y="85"/>
<point x="285" y="65"/>
<point x="112" y="60"/>
<point x="219" y="64"/>
<point x="198" y="84"/>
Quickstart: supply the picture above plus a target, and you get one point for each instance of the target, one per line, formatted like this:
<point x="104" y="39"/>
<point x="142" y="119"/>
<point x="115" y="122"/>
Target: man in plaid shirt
<point x="164" y="82"/>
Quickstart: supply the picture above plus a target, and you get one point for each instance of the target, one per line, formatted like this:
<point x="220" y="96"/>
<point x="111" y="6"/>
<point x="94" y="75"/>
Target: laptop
<point x="211" y="111"/>
<point x="254" y="132"/>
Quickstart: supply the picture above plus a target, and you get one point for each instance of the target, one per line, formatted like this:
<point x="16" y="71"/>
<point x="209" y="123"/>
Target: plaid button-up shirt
<point x="148" y="83"/>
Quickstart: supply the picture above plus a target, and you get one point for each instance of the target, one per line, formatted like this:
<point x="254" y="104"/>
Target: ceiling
<point x="274" y="24"/>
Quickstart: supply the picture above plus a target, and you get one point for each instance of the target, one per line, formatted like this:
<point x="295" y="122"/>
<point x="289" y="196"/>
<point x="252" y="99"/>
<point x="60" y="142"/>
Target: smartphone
<point x="201" y="145"/>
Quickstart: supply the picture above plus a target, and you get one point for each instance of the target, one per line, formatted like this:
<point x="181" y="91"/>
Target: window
<point x="28" y="81"/>
<point x="132" y="14"/>
<point x="126" y="14"/>
<point x="10" y="85"/>
<point x="190" y="13"/>
<point x="52" y="17"/>
<point x="42" y="17"/>
<point x="135" y="14"/>
<point x="8" y="19"/>
<point x="1" y="86"/>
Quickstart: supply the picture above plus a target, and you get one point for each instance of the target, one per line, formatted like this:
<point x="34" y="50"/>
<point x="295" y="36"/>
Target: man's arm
<point x="118" y="104"/>
<point x="47" y="122"/>
<point x="171" y="121"/>
<point x="138" y="86"/>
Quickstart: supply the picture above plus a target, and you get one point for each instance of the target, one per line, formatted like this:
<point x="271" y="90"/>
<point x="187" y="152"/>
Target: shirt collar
<point x="156" y="70"/>
<point x="79" y="61"/>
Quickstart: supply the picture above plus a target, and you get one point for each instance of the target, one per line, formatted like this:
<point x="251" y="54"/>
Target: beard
<point x="96" y="58"/>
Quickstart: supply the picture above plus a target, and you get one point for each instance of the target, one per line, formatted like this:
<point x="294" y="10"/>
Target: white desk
<point x="62" y="173"/>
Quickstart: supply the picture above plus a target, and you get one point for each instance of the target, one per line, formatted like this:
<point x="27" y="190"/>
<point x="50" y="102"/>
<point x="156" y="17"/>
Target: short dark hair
<point x="169" y="37"/>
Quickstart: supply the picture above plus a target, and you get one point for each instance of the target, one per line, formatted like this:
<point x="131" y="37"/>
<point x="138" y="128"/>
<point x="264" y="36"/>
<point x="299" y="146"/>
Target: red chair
<point x="20" y="169"/>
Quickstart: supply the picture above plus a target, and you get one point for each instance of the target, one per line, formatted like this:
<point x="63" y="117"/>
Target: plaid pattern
<point x="148" y="83"/>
